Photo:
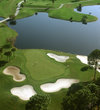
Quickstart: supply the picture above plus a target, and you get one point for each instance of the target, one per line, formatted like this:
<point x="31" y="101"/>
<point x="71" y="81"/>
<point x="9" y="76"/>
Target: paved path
<point x="59" y="6"/>
<point x="16" y="13"/>
<point x="18" y="8"/>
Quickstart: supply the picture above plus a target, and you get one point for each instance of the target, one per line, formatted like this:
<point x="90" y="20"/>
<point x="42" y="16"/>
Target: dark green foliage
<point x="84" y="19"/>
<point x="71" y="19"/>
<point x="75" y="87"/>
<point x="13" y="50"/>
<point x="79" y="8"/>
<point x="83" y="99"/>
<point x="75" y="0"/>
<point x="6" y="46"/>
<point x="8" y="54"/>
<point x="93" y="59"/>
<point x="22" y="5"/>
<point x="97" y="82"/>
<point x="12" y="17"/>
<point x="1" y="51"/>
<point x="38" y="102"/>
<point x="2" y="63"/>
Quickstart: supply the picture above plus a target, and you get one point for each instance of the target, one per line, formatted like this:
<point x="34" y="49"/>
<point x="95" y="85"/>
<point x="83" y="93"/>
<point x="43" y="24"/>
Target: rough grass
<point x="8" y="7"/>
<point x="47" y="69"/>
<point x="6" y="32"/>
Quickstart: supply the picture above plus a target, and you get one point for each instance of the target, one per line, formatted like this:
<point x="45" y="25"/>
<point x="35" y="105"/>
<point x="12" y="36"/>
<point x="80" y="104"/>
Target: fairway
<point x="36" y="65"/>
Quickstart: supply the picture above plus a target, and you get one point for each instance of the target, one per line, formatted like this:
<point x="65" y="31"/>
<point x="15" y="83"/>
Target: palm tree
<point x="13" y="50"/>
<point x="93" y="59"/>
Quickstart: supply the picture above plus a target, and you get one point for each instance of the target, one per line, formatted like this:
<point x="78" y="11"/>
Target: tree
<point x="8" y="54"/>
<point x="93" y="59"/>
<point x="84" y="19"/>
<point x="12" y="17"/>
<point x="1" y="51"/>
<point x="81" y="100"/>
<point x="79" y="8"/>
<point x="95" y="89"/>
<point x="13" y="50"/>
<point x="53" y="1"/>
<point x="38" y="102"/>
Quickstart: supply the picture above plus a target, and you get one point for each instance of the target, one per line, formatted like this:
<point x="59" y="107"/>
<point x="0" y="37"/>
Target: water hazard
<point x="42" y="32"/>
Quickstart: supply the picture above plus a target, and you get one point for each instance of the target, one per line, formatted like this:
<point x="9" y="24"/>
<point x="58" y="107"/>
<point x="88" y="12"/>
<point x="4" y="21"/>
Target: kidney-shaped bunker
<point x="15" y="72"/>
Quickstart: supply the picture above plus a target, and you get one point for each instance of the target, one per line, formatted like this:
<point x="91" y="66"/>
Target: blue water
<point x="42" y="32"/>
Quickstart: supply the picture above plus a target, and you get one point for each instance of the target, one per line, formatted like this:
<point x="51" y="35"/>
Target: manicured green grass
<point x="6" y="32"/>
<point x="65" y="13"/>
<point x="47" y="69"/>
<point x="25" y="60"/>
<point x="8" y="7"/>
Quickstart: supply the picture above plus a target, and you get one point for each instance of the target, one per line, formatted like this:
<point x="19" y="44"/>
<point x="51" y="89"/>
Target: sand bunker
<point x="24" y="92"/>
<point x="59" y="84"/>
<point x="58" y="58"/>
<point x="83" y="59"/>
<point x="15" y="72"/>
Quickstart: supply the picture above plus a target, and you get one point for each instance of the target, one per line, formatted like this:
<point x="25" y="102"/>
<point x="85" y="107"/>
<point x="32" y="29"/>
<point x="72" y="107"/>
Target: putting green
<point x="45" y="67"/>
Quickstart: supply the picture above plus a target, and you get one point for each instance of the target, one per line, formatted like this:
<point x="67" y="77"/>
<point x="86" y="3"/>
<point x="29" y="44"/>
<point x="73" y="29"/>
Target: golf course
<point x="36" y="71"/>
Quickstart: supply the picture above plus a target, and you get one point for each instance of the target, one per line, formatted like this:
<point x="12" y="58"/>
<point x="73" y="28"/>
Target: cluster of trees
<point x="7" y="53"/>
<point x="38" y="102"/>
<point x="87" y="98"/>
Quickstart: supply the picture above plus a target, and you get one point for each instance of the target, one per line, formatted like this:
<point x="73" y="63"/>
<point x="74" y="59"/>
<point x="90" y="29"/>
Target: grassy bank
<point x="8" y="7"/>
<point x="65" y="13"/>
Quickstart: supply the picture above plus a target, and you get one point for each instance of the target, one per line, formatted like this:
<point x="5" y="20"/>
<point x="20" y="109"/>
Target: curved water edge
<point x="89" y="10"/>
<point x="41" y="32"/>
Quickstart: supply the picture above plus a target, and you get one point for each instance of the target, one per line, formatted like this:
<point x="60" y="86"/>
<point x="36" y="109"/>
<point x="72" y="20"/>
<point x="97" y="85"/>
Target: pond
<point x="1" y="18"/>
<point x="42" y="32"/>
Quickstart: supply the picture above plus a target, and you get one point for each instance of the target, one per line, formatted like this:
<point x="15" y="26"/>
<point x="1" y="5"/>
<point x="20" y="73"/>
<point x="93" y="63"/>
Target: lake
<point x="42" y="32"/>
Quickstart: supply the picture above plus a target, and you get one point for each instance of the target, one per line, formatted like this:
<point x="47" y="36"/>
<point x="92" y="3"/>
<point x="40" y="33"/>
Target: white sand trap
<point x="24" y="92"/>
<point x="15" y="72"/>
<point x="58" y="58"/>
<point x="58" y="85"/>
<point x="83" y="59"/>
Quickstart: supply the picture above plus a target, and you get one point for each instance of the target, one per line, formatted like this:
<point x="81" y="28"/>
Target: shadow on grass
<point x="7" y="46"/>
<point x="2" y="26"/>
<point x="85" y="68"/>
<point x="2" y="63"/>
